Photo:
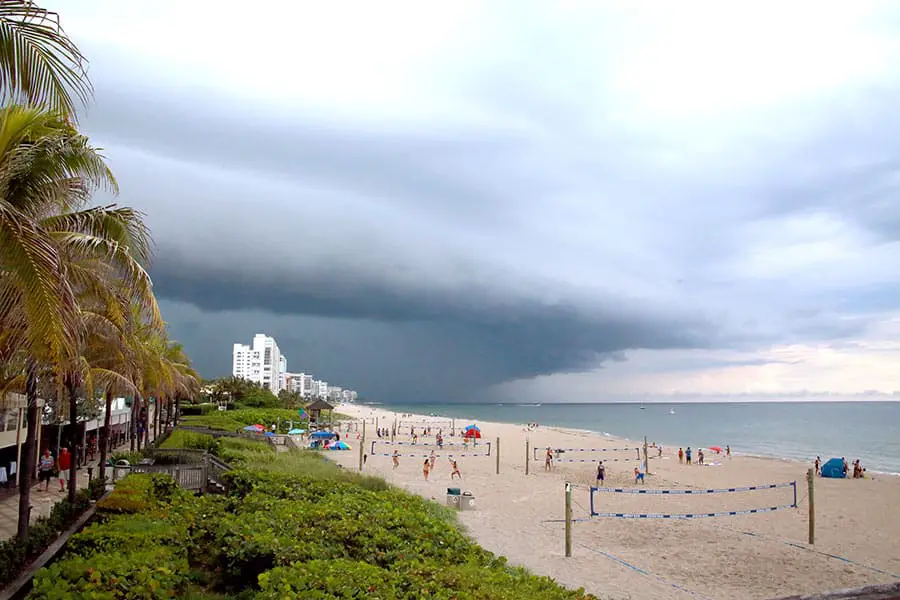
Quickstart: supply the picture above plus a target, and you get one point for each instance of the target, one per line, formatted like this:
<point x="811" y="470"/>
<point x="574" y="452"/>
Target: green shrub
<point x="97" y="487"/>
<point x="153" y="573"/>
<point x="132" y="494"/>
<point x="191" y="440"/>
<point x="324" y="579"/>
<point x="14" y="554"/>
<point x="133" y="458"/>
<point x="199" y="409"/>
<point x="292" y="526"/>
<point x="123" y="533"/>
<point x="233" y="420"/>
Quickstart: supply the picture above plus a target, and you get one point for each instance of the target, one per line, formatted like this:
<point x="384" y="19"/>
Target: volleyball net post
<point x="527" y="456"/>
<point x="810" y="482"/>
<point x="569" y="519"/>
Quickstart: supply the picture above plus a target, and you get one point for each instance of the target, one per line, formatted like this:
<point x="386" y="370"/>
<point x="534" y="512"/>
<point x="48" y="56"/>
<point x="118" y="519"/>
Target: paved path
<point x="43" y="501"/>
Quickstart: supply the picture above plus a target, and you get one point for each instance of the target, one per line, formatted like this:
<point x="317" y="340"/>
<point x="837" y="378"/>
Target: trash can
<point x="453" y="492"/>
<point x="453" y="500"/>
<point x="120" y="469"/>
<point x="467" y="501"/>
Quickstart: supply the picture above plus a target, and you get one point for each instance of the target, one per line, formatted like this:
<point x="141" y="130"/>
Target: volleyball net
<point x="379" y="447"/>
<point x="777" y="500"/>
<point x="574" y="455"/>
<point x="418" y="424"/>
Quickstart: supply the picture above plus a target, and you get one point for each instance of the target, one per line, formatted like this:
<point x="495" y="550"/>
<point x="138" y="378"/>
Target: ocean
<point x="869" y="431"/>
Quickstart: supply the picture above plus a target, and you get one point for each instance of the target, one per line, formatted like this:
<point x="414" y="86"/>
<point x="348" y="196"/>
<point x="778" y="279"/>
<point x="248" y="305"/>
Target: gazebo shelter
<point x="315" y="412"/>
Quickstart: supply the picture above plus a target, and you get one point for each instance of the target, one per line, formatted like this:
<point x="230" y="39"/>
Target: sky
<point x="539" y="201"/>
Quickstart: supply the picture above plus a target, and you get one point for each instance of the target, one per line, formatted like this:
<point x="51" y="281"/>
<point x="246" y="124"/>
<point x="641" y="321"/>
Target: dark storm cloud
<point x="404" y="344"/>
<point x="572" y="198"/>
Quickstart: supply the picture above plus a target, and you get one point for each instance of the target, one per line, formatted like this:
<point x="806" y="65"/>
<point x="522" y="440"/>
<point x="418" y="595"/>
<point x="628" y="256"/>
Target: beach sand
<point x="744" y="556"/>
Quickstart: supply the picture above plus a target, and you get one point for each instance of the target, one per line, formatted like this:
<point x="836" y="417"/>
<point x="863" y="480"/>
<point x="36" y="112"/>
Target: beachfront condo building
<point x="260" y="362"/>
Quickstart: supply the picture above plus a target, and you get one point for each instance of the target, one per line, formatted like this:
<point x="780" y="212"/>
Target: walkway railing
<point x="197" y="476"/>
<point x="189" y="477"/>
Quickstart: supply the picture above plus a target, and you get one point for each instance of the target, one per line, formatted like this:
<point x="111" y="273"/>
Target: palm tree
<point x="47" y="172"/>
<point x="39" y="64"/>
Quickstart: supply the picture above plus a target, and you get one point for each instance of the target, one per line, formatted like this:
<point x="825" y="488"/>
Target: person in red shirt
<point x="64" y="462"/>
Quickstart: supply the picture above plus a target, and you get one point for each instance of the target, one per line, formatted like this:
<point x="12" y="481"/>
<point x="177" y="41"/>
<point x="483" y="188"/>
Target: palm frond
<point x="38" y="62"/>
<point x="38" y="293"/>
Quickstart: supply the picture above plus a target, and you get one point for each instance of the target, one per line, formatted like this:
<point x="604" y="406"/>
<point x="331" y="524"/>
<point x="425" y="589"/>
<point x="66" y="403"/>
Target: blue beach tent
<point x="833" y="468"/>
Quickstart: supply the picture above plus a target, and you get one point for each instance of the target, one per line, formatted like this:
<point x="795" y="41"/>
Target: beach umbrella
<point x="256" y="428"/>
<point x="322" y="435"/>
<point x="716" y="449"/>
<point x="270" y="434"/>
<point x="338" y="446"/>
<point x="296" y="431"/>
<point x="472" y="431"/>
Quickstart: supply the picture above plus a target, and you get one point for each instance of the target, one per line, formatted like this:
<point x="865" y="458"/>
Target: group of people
<point x="859" y="472"/>
<point x="601" y="474"/>
<point x="428" y="465"/>
<point x="47" y="466"/>
<point x="686" y="456"/>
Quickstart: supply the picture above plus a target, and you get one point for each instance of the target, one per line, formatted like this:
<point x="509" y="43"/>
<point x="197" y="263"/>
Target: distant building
<point x="261" y="362"/>
<point x="282" y="372"/>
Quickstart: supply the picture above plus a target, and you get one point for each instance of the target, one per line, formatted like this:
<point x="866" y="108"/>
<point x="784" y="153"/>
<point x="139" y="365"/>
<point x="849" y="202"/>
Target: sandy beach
<point x="762" y="555"/>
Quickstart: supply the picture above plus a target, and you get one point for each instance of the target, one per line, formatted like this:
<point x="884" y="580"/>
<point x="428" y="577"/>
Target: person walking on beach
<point x="687" y="455"/>
<point x="396" y="458"/>
<point x="727" y="451"/>
<point x="601" y="474"/>
<point x="548" y="460"/>
<point x="454" y="470"/>
<point x="818" y="464"/>
<point x="432" y="458"/>
<point x="680" y="456"/>
<point x="700" y="456"/>
<point x="425" y="469"/>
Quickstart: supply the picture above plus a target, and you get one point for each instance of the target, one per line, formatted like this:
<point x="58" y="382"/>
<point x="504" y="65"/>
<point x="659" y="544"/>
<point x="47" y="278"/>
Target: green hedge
<point x="293" y="526"/>
<point x="15" y="554"/>
<point x="231" y="420"/>
<point x="199" y="409"/>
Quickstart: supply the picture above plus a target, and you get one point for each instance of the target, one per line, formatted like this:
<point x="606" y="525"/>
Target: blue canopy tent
<point x="322" y="435"/>
<point x="833" y="468"/>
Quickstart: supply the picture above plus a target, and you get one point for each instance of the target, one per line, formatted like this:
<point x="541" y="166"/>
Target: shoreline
<point x="757" y="556"/>
<point x="612" y="436"/>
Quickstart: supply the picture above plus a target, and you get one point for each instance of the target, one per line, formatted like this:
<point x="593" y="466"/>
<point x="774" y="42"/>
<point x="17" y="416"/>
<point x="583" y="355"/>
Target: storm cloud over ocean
<point x="520" y="199"/>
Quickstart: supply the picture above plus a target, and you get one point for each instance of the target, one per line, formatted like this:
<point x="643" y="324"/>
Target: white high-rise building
<point x="282" y="373"/>
<point x="307" y="386"/>
<point x="260" y="362"/>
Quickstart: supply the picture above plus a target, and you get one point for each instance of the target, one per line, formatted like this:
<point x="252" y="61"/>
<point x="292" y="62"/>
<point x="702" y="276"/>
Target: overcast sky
<point x="529" y="200"/>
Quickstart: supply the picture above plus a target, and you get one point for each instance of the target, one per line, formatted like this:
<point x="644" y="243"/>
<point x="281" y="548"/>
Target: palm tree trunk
<point x="135" y="413"/>
<point x="177" y="410"/>
<point x="105" y="434"/>
<point x="156" y="414"/>
<point x="26" y="469"/>
<point x="72" y="389"/>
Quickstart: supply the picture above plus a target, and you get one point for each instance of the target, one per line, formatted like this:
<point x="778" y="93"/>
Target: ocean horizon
<point x="799" y="429"/>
